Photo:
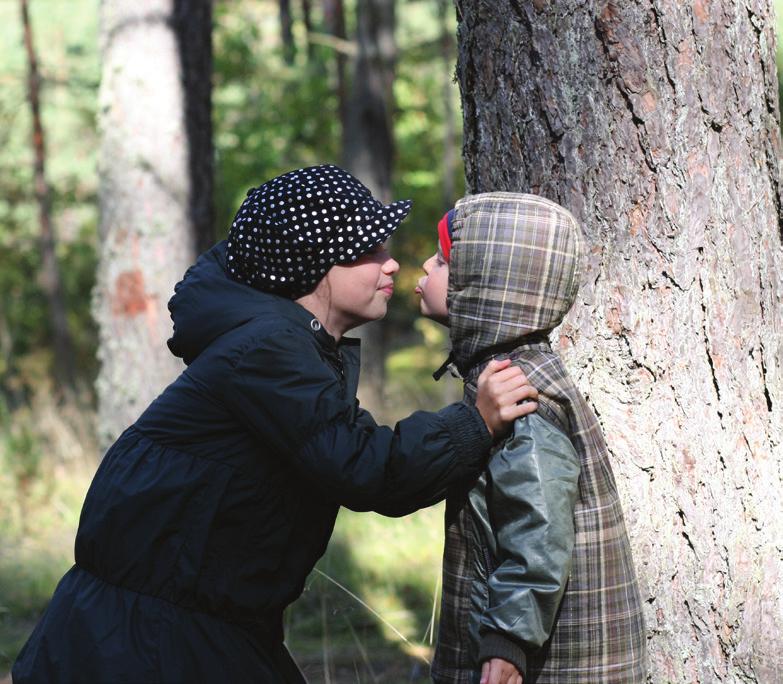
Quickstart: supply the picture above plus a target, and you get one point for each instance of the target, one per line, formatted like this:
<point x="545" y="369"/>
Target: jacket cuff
<point x="497" y="645"/>
<point x="469" y="434"/>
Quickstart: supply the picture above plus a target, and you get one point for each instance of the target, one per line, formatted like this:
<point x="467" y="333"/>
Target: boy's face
<point x="433" y="288"/>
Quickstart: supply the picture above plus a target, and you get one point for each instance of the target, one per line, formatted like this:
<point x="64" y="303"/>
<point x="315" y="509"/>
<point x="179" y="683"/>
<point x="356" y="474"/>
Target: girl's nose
<point x="390" y="266"/>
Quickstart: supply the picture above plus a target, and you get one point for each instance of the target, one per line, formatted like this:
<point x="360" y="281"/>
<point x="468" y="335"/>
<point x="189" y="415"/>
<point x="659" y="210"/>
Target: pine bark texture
<point x="147" y="194"/>
<point x="656" y="123"/>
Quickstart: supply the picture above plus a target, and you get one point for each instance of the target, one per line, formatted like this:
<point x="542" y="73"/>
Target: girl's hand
<point x="499" y="671"/>
<point x="501" y="387"/>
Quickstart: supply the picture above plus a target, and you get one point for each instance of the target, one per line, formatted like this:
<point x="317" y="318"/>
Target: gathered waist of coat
<point x="266" y="628"/>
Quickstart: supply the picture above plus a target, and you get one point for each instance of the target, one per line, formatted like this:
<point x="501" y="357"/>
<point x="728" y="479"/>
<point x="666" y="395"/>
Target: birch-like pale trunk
<point x="656" y="123"/>
<point x="148" y="205"/>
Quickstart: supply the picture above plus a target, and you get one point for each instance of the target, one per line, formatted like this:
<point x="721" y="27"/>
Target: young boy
<point x="538" y="580"/>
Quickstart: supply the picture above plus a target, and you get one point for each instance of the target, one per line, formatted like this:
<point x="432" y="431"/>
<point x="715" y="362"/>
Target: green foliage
<point x="269" y="117"/>
<point x="47" y="457"/>
<point x="65" y="35"/>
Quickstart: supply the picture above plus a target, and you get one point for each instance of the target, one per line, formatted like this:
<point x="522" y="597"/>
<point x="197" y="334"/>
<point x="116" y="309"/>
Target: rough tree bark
<point x="369" y="151"/>
<point x="153" y="179"/>
<point x="51" y="279"/>
<point x="656" y="123"/>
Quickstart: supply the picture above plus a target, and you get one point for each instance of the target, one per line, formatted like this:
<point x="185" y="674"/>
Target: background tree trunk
<point x="369" y="151"/>
<point x="287" y="31"/>
<point x="450" y="127"/>
<point x="656" y="123"/>
<point x="307" y="20"/>
<point x="50" y="268"/>
<point x="147" y="193"/>
<point x="334" y="18"/>
<point x="192" y="24"/>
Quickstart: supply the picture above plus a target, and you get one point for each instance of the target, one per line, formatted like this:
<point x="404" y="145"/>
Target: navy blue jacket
<point x="206" y="516"/>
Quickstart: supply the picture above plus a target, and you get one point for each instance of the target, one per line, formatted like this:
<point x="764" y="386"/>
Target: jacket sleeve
<point x="294" y="403"/>
<point x="532" y="489"/>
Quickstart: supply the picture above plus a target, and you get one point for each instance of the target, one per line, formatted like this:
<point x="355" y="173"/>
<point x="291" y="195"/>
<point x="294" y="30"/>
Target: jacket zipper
<point x="490" y="562"/>
<point x="336" y="362"/>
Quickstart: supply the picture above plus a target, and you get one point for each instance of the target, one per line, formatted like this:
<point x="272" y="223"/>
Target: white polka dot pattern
<point x="292" y="229"/>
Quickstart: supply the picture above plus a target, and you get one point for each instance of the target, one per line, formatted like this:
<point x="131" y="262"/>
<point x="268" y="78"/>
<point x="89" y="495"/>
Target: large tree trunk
<point x="152" y="186"/>
<point x="50" y="268"/>
<point x="656" y="123"/>
<point x="369" y="151"/>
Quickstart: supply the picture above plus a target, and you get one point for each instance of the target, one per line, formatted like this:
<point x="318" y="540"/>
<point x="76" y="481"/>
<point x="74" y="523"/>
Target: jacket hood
<point x="515" y="266"/>
<point x="207" y="303"/>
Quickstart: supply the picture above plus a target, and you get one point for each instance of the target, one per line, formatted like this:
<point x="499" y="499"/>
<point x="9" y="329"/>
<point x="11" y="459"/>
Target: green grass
<point x="384" y="631"/>
<point x="37" y="527"/>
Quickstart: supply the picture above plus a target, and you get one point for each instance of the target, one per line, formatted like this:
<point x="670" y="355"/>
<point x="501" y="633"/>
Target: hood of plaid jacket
<point x="515" y="267"/>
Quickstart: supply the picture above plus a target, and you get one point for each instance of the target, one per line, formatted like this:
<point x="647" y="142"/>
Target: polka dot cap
<point x="292" y="229"/>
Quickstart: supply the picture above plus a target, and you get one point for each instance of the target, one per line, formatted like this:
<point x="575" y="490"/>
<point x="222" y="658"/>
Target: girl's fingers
<point x="514" y="411"/>
<point x="494" y="366"/>
<point x="511" y="393"/>
<point x="507" y="373"/>
<point x="522" y="393"/>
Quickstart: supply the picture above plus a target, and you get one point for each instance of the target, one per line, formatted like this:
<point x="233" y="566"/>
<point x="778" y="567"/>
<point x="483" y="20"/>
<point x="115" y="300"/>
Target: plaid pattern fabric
<point x="452" y="662"/>
<point x="516" y="262"/>
<point x="599" y="632"/>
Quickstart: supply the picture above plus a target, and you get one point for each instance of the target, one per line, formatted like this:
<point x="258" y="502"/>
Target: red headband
<point x="444" y="234"/>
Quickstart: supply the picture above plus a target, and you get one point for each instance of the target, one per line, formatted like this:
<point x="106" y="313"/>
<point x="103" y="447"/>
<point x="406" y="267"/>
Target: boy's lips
<point x="388" y="289"/>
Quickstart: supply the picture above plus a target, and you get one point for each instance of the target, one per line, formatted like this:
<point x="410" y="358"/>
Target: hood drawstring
<point x="438" y="374"/>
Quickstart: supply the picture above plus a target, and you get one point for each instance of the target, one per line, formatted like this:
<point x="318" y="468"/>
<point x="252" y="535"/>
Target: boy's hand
<point x="500" y="389"/>
<point x="499" y="671"/>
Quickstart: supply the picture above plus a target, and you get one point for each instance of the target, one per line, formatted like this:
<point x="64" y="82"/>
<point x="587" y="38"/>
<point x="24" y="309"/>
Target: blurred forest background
<point x="276" y="106"/>
<point x="282" y="77"/>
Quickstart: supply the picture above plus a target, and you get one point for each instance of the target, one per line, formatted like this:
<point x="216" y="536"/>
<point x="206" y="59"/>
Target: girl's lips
<point x="388" y="289"/>
<point x="417" y="290"/>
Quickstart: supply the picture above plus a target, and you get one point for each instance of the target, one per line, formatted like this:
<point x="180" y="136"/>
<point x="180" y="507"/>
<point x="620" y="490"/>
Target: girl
<point x="538" y="580"/>
<point x="206" y="515"/>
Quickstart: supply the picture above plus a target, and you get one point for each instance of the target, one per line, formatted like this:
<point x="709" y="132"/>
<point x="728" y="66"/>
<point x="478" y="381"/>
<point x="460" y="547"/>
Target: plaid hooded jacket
<point x="514" y="272"/>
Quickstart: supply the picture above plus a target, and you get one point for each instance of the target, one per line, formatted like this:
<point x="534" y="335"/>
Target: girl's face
<point x="433" y="288"/>
<point x="359" y="292"/>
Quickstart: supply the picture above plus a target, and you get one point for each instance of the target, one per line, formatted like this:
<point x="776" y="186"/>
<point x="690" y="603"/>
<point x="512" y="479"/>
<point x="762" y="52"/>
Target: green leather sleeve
<point x="532" y="487"/>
